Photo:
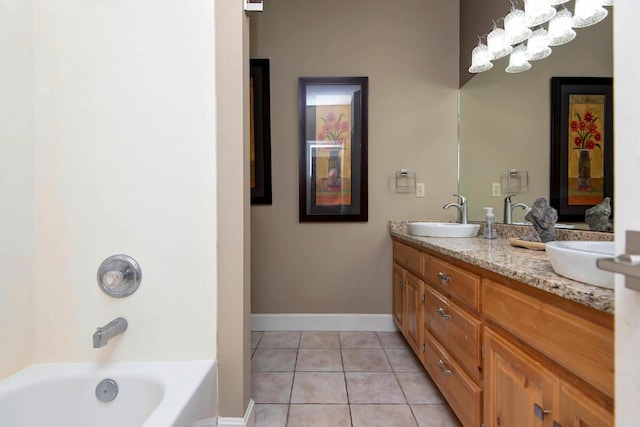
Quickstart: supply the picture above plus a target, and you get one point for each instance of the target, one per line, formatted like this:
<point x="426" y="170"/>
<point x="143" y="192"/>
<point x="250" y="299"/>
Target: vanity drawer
<point x="581" y="346"/>
<point x="456" y="330"/>
<point x="462" y="394"/>
<point x="407" y="257"/>
<point x="453" y="281"/>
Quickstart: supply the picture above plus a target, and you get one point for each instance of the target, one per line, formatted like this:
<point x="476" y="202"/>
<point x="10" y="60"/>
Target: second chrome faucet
<point x="461" y="206"/>
<point x="508" y="208"/>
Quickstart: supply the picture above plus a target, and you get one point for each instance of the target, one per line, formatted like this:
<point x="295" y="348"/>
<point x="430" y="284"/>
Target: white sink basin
<point x="577" y="260"/>
<point x="442" y="229"/>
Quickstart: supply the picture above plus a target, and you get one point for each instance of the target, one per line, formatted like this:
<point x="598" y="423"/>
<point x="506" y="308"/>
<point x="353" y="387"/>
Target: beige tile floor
<point x="336" y="379"/>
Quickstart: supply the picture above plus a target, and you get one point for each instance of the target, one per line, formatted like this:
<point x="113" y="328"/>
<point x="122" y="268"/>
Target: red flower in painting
<point x="588" y="117"/>
<point x="574" y="126"/>
<point x="586" y="130"/>
<point x="333" y="128"/>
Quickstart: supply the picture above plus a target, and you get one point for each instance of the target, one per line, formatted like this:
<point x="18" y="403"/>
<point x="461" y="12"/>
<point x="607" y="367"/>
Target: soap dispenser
<point x="489" y="226"/>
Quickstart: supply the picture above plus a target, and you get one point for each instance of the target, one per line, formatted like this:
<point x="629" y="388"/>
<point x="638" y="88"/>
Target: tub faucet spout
<point x="102" y="335"/>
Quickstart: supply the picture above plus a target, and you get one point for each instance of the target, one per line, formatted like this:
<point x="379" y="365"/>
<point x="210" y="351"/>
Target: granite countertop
<point x="499" y="256"/>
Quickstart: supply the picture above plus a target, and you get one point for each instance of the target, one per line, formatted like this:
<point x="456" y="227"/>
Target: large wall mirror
<point x="505" y="121"/>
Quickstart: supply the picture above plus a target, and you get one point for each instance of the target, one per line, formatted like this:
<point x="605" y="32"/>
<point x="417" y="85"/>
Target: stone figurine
<point x="543" y="217"/>
<point x="597" y="217"/>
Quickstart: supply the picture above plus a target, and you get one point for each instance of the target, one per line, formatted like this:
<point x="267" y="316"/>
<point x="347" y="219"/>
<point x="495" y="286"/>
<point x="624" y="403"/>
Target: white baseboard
<point x="322" y="322"/>
<point x="249" y="419"/>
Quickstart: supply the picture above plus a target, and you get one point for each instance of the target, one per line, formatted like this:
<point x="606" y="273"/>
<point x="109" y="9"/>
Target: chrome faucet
<point x="508" y="209"/>
<point x="461" y="206"/>
<point x="102" y="335"/>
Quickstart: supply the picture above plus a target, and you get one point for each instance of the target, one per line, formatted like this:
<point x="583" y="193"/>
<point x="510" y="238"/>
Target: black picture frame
<point x="333" y="149"/>
<point x="260" y="133"/>
<point x="568" y="194"/>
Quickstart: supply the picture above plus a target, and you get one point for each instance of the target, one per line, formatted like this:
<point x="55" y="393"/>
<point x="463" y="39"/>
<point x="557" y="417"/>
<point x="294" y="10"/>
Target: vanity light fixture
<point x="517" y="30"/>
<point x="587" y="13"/>
<point x="560" y="31"/>
<point x="480" y="58"/>
<point x="537" y="12"/>
<point x="514" y="25"/>
<point x="497" y="43"/>
<point x="538" y="45"/>
<point x="518" y="61"/>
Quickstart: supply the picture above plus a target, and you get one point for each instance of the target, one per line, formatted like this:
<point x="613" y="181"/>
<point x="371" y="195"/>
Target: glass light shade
<point x="517" y="61"/>
<point x="557" y="2"/>
<point x="587" y="13"/>
<point x="480" y="59"/>
<point x="560" y="31"/>
<point x="515" y="28"/>
<point x="538" y="45"/>
<point x="537" y="12"/>
<point x="497" y="44"/>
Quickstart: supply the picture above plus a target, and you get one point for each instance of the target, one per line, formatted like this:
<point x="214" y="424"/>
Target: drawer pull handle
<point x="539" y="412"/>
<point x="444" y="315"/>
<point x="405" y="284"/>
<point x="444" y="370"/>
<point x="443" y="276"/>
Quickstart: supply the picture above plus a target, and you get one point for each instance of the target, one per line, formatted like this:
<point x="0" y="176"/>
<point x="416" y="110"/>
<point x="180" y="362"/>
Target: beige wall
<point x="232" y="68"/>
<point x="16" y="184"/>
<point x="505" y="119"/>
<point x="124" y="137"/>
<point x="409" y="51"/>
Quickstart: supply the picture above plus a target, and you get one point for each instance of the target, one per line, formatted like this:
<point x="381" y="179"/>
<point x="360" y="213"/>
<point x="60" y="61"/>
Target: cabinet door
<point x="399" y="293"/>
<point x="518" y="390"/>
<point x="413" y="313"/>
<point x="577" y="410"/>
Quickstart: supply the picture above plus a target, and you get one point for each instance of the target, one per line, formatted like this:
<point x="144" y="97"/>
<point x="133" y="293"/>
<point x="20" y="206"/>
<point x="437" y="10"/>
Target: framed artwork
<point x="260" y="133"/>
<point x="581" y="144"/>
<point x="333" y="174"/>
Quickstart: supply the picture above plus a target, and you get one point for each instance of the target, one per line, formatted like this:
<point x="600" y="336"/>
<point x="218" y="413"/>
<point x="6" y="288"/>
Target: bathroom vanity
<point x="507" y="341"/>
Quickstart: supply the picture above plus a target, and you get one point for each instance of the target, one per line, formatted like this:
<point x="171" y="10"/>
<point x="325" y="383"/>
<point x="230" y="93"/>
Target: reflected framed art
<point x="581" y="144"/>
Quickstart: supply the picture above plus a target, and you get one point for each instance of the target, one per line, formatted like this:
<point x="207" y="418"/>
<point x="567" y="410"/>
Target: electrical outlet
<point x="495" y="189"/>
<point x="420" y="189"/>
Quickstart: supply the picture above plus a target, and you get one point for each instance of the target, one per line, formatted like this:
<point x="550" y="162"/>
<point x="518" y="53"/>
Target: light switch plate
<point x="420" y="189"/>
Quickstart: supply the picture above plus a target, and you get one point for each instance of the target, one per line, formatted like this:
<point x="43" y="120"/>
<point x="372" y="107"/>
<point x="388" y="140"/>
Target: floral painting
<point x="333" y="155"/>
<point x="586" y="149"/>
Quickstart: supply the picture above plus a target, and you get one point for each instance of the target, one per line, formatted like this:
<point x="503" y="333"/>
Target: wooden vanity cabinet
<point x="408" y="292"/>
<point x="502" y="352"/>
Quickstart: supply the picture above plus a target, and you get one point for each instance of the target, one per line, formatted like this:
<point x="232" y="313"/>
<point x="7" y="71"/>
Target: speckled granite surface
<point x="527" y="266"/>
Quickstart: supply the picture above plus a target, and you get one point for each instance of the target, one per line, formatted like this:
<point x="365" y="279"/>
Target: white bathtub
<point x="150" y="394"/>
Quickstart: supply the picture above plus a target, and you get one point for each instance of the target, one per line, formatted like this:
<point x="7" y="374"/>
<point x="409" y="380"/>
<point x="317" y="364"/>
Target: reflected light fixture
<point x="497" y="43"/>
<point x="538" y="45"/>
<point x="537" y="12"/>
<point x="517" y="61"/>
<point x="480" y="58"/>
<point x="587" y="13"/>
<point x="515" y="29"/>
<point x="608" y="2"/>
<point x="560" y="31"/>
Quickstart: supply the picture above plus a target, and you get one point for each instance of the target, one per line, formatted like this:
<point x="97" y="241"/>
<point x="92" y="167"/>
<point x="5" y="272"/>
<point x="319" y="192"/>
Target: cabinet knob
<point x="444" y="277"/>
<point x="539" y="412"/>
<point x="444" y="315"/>
<point x="444" y="370"/>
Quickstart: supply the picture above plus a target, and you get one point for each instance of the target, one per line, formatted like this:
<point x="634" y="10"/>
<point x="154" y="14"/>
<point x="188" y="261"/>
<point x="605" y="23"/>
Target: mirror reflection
<point x="504" y="133"/>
